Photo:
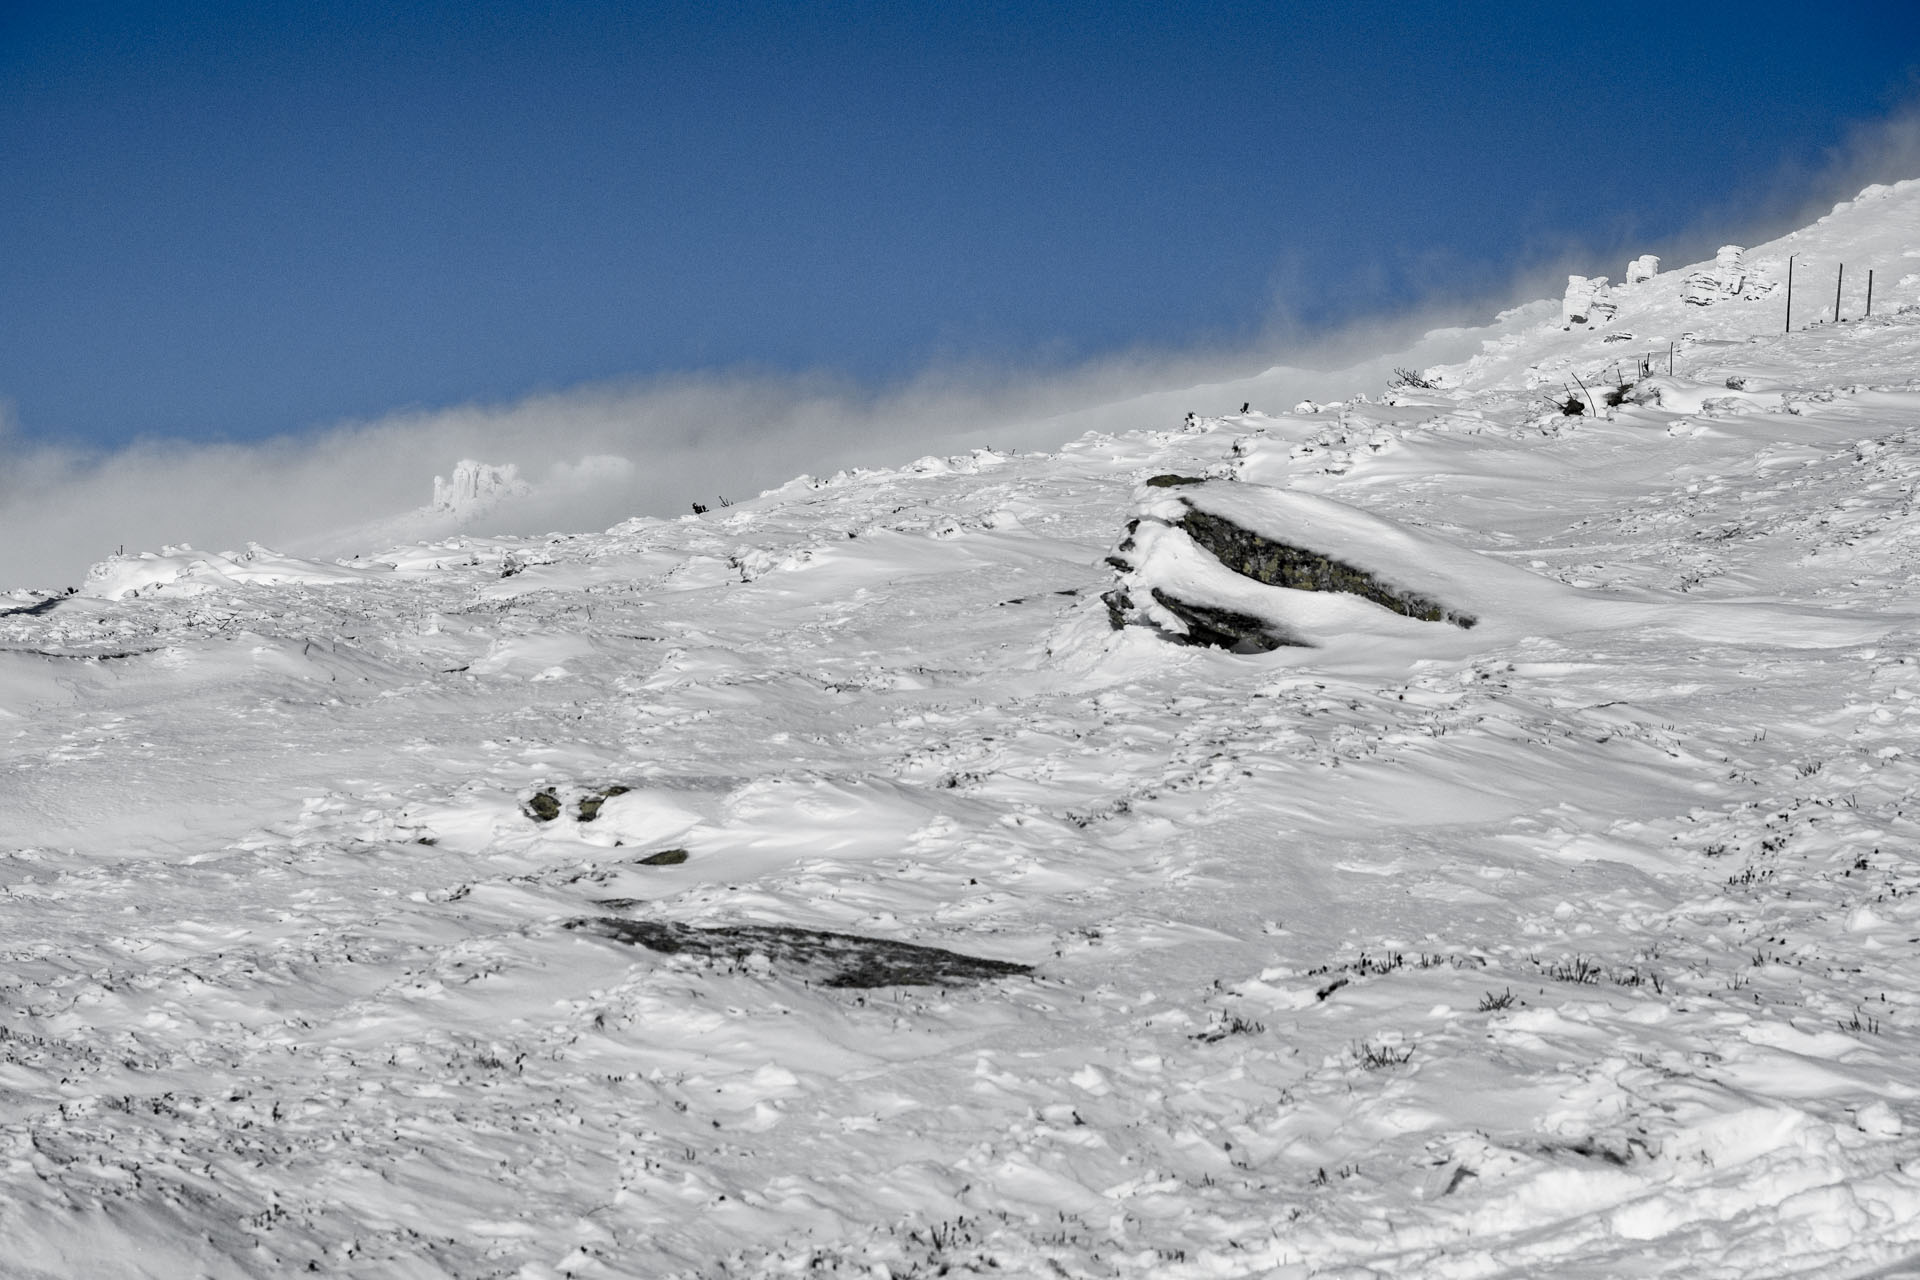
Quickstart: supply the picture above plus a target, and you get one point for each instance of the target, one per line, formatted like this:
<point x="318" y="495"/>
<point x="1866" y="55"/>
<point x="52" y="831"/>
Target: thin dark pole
<point x="1790" y="258"/>
<point x="1836" y="292"/>
<point x="1869" y="290"/>
<point x="1669" y="359"/>
<point x="1583" y="387"/>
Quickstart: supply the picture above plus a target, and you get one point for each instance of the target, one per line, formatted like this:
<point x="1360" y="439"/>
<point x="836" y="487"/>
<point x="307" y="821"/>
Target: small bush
<point x="1870" y="1025"/>
<point x="1579" y="970"/>
<point x="1232" y="1026"/>
<point x="1376" y="1057"/>
<point x="1408" y="379"/>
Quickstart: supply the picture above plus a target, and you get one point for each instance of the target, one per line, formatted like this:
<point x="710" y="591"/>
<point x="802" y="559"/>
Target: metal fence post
<point x="1790" y="258"/>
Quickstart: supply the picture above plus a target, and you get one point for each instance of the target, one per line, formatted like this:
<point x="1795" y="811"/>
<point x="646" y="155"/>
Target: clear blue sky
<point x="235" y="220"/>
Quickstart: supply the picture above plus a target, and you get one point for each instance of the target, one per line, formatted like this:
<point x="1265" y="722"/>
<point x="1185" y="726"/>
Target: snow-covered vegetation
<point x="872" y="878"/>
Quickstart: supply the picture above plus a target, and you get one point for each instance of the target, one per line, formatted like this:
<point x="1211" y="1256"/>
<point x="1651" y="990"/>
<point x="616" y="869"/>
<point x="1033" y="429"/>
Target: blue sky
<point x="233" y="221"/>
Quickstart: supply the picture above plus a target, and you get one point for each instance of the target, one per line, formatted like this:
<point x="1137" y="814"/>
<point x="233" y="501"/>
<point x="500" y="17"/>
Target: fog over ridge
<point x="600" y="453"/>
<point x="691" y="438"/>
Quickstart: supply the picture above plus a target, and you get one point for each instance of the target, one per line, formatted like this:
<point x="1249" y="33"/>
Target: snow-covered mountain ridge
<point x="1577" y="942"/>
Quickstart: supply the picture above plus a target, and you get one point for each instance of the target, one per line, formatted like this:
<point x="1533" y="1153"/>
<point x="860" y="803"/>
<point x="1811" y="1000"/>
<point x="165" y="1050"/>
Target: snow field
<point x="1578" y="943"/>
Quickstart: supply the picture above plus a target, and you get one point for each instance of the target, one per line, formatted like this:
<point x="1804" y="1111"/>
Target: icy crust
<point x="183" y="571"/>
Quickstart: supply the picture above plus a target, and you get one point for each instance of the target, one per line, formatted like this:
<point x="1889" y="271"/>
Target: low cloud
<point x="596" y="455"/>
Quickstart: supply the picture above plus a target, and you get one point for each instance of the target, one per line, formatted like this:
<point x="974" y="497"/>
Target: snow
<point x="1577" y="943"/>
<point x="182" y="571"/>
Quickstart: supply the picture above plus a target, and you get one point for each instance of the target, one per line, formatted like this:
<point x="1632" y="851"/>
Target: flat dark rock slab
<point x="1225" y="628"/>
<point x="831" y="959"/>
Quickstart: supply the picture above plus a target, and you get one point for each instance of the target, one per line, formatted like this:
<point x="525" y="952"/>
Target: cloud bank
<point x="593" y="456"/>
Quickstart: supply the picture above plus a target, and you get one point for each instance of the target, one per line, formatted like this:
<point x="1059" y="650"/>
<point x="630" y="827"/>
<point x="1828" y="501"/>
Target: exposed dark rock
<point x="1064" y="591"/>
<point x="1173" y="481"/>
<point x="1279" y="565"/>
<point x="831" y="959"/>
<point x="544" y="806"/>
<point x="1224" y="628"/>
<point x="590" y="804"/>
<point x="665" y="858"/>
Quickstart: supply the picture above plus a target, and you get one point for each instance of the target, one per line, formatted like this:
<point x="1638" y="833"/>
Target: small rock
<point x="1878" y="1119"/>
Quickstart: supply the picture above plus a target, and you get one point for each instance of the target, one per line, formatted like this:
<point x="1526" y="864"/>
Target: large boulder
<point x="1251" y="568"/>
<point x="1219" y="563"/>
<point x="1281" y="564"/>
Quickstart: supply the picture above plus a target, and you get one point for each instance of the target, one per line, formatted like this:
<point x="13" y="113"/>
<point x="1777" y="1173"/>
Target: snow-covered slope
<point x="341" y="900"/>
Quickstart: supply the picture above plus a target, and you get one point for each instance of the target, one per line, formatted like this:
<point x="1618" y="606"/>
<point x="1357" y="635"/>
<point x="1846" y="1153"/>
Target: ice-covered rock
<point x="1725" y="278"/>
<point x="1586" y="301"/>
<point x="475" y="486"/>
<point x="1644" y="267"/>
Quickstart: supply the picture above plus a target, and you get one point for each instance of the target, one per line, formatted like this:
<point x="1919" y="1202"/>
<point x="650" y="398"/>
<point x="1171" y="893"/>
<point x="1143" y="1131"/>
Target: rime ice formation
<point x="1586" y="301"/>
<point x="1644" y="267"/>
<point x="825" y="887"/>
<point x="475" y="486"/>
<point x="1725" y="278"/>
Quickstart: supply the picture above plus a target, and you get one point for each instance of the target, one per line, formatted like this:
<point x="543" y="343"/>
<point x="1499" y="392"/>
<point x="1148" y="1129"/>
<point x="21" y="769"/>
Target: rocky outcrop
<point x="1586" y="302"/>
<point x="1726" y="278"/>
<point x="829" y="959"/>
<point x="476" y="486"/>
<point x="1280" y="565"/>
<point x="1224" y="628"/>
<point x="1201" y="561"/>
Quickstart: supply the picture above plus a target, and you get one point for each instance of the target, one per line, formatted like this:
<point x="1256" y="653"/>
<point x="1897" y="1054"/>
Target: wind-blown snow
<point x="1577" y="943"/>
